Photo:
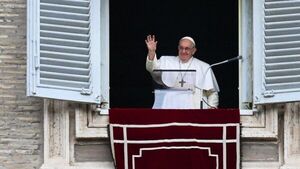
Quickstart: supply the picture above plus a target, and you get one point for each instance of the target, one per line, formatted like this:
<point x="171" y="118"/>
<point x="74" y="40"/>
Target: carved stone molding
<point x="89" y="124"/>
<point x="292" y="136"/>
<point x="262" y="124"/>
<point x="59" y="138"/>
<point x="56" y="134"/>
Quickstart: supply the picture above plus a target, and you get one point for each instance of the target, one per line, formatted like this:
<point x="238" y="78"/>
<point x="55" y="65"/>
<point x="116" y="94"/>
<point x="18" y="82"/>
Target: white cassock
<point x="204" y="80"/>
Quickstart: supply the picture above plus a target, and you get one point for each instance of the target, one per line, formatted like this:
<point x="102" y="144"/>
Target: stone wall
<point x="21" y="127"/>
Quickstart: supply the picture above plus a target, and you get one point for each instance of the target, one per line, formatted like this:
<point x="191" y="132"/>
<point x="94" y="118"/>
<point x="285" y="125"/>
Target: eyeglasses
<point x="185" y="48"/>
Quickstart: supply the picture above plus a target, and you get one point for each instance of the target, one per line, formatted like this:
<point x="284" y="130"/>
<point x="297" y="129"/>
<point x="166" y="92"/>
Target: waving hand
<point x="151" y="45"/>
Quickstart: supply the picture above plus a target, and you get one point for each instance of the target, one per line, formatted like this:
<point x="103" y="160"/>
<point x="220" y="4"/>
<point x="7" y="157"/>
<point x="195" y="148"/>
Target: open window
<point x="270" y="46"/>
<point x="216" y="37"/>
<point x="67" y="50"/>
<point x="276" y="49"/>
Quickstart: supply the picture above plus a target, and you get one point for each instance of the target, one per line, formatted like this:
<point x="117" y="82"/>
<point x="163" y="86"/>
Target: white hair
<point x="189" y="38"/>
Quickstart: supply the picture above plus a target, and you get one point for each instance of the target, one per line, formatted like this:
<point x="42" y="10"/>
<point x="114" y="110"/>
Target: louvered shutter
<point x="63" y="41"/>
<point x="276" y="51"/>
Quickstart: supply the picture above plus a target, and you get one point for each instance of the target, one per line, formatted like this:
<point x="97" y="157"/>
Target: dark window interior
<point x="213" y="25"/>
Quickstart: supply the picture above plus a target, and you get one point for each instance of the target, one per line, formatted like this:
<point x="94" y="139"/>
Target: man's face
<point x="186" y="50"/>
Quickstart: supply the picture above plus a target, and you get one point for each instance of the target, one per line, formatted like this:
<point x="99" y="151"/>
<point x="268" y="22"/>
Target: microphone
<point x="219" y="63"/>
<point x="212" y="65"/>
<point x="227" y="61"/>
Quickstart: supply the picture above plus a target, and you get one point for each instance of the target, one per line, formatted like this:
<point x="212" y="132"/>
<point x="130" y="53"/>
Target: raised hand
<point x="151" y="45"/>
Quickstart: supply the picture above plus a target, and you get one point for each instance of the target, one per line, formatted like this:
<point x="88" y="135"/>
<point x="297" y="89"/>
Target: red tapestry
<point x="175" y="139"/>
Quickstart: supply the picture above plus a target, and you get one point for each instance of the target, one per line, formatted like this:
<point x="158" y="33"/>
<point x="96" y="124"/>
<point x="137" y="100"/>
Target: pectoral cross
<point x="182" y="82"/>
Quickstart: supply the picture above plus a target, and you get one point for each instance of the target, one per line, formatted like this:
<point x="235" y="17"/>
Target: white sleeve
<point x="212" y="98"/>
<point x="152" y="64"/>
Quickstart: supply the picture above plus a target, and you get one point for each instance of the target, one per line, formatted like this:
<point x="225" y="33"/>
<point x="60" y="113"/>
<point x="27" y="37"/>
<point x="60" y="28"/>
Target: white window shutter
<point x="276" y="51"/>
<point x="63" y="50"/>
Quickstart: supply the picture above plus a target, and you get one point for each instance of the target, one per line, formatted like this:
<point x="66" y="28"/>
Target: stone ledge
<point x="260" y="165"/>
<point x="90" y="165"/>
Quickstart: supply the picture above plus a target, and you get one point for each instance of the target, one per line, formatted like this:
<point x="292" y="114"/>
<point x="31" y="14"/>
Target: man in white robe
<point x="204" y="89"/>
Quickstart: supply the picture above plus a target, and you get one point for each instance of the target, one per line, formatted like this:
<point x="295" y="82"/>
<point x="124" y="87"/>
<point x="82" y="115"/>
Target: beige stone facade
<point x="37" y="133"/>
<point x="21" y="118"/>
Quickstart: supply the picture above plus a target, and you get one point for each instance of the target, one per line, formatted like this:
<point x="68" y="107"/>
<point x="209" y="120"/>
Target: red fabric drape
<point x="175" y="139"/>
